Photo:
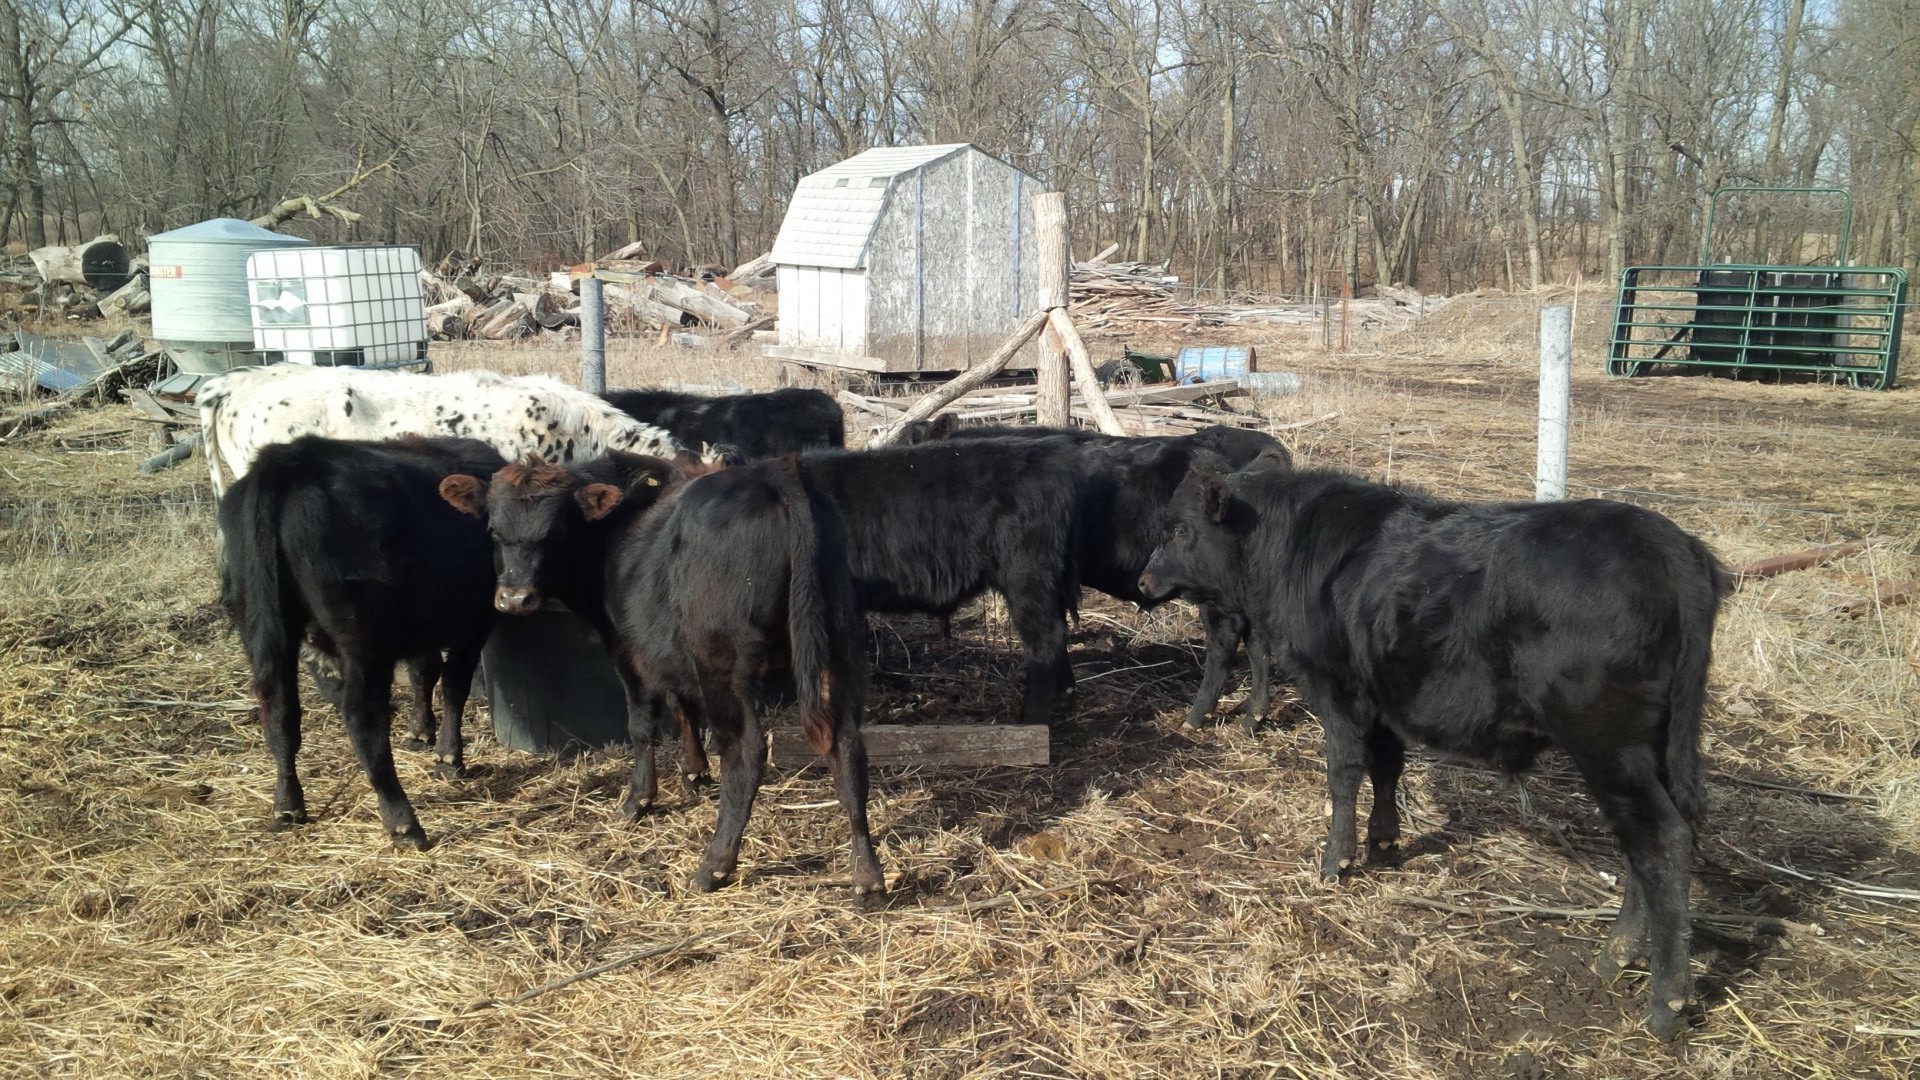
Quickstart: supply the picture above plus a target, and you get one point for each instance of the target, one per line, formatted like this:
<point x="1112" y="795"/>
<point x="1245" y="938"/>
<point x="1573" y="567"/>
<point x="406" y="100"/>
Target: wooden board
<point x="932" y="746"/>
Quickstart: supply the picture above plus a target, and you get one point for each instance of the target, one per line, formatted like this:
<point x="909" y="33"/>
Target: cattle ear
<point x="1213" y="498"/>
<point x="945" y="425"/>
<point x="465" y="494"/>
<point x="597" y="500"/>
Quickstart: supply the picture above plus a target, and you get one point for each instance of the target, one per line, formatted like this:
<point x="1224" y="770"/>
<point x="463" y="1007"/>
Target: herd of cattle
<point x="726" y="550"/>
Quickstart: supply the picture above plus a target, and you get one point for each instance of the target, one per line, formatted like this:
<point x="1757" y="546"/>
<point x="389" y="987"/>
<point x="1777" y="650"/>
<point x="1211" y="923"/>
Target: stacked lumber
<point x="1131" y="296"/>
<point x="1151" y="410"/>
<point x="463" y="301"/>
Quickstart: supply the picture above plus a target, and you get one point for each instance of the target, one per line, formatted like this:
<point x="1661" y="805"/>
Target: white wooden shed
<point x="903" y="259"/>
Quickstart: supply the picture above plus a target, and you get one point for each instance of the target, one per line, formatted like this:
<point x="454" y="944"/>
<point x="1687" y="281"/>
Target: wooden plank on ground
<point x="1801" y="560"/>
<point x="931" y="746"/>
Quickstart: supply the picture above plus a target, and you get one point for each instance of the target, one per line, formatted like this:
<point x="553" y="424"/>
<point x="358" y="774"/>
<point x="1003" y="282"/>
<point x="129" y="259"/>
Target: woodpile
<point x="1122" y="296"/>
<point x="1152" y="410"/>
<point x="463" y="301"/>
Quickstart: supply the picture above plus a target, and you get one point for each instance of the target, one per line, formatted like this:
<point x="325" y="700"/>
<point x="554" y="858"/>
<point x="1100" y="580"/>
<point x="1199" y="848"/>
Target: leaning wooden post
<point x="1084" y="374"/>
<point x="593" y="336"/>
<point x="1556" y="393"/>
<point x="953" y="389"/>
<point x="1051" y="401"/>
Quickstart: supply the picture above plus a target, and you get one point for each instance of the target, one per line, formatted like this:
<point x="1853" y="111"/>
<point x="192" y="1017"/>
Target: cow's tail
<point x="809" y="626"/>
<point x="1687" y="692"/>
<point x="254" y="577"/>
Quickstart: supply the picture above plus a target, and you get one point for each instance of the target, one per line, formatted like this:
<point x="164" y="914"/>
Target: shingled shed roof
<point x="833" y="211"/>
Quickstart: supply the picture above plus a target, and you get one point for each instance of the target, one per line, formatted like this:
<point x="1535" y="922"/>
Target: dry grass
<point x="1170" y="924"/>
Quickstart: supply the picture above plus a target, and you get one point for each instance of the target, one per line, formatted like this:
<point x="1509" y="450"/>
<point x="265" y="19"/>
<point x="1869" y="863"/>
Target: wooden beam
<point x="932" y="746"/>
<point x="1054" y="270"/>
<point x="1801" y="560"/>
<point x="1083" y="374"/>
<point x="957" y="387"/>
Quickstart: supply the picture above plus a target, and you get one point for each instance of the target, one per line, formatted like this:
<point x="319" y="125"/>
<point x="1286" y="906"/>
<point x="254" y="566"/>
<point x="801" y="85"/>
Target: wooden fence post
<point x="1050" y="218"/>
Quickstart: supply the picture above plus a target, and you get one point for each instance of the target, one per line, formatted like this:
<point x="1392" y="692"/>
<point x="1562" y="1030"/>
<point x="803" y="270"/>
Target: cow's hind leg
<point x="743" y="754"/>
<point x="1386" y="760"/>
<point x="367" y="701"/>
<point x="1259" y="702"/>
<point x="1042" y="627"/>
<point x="643" y="732"/>
<point x="278" y="690"/>
<point x="456" y="683"/>
<point x="850" y="784"/>
<point x="694" y="771"/>
<point x="423" y="672"/>
<point x="1658" y="844"/>
<point x="1628" y="941"/>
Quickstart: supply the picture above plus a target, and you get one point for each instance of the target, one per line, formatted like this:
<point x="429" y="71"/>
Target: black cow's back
<point x="756" y="425"/>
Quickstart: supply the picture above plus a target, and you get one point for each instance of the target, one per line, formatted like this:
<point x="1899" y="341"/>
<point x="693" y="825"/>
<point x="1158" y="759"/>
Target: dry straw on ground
<point x="1144" y="907"/>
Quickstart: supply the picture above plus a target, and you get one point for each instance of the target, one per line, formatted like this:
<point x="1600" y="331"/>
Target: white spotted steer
<point x="243" y="411"/>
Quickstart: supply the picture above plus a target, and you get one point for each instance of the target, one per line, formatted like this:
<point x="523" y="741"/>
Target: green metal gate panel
<point x="1842" y="322"/>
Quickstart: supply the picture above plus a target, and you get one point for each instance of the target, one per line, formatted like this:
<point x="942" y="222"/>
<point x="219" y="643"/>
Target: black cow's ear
<point x="465" y="494"/>
<point x="1213" y="498"/>
<point x="597" y="500"/>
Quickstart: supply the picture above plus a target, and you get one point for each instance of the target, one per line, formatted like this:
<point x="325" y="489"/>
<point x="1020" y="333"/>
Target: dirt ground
<point x="1145" y="906"/>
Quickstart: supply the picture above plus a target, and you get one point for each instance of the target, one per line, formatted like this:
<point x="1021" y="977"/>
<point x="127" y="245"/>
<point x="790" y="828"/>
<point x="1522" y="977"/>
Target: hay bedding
<point x="1144" y="907"/>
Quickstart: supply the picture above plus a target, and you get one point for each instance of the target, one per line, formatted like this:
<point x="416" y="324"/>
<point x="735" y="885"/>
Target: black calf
<point x="1126" y="486"/>
<point x="1490" y="629"/>
<point x="755" y="425"/>
<point x="553" y="531"/>
<point x="348" y="545"/>
<point x="930" y="527"/>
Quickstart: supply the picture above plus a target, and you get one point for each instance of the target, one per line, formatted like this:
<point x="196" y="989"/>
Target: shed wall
<point x="951" y="265"/>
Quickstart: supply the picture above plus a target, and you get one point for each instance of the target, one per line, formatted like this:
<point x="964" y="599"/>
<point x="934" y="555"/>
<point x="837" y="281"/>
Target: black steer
<point x="349" y="546"/>
<point x="1496" y="630"/>
<point x="732" y="577"/>
<point x="754" y="425"/>
<point x="1126" y="486"/>
<point x="930" y="527"/>
<point x="553" y="534"/>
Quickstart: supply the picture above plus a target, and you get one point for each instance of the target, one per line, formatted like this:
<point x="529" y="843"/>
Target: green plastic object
<point x="1153" y="367"/>
<point x="1840" y="322"/>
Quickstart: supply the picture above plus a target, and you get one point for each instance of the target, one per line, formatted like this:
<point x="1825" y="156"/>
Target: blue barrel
<point x="1203" y="363"/>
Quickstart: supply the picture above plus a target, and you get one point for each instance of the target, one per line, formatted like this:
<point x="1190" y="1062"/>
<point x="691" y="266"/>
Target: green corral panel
<point x="1842" y="322"/>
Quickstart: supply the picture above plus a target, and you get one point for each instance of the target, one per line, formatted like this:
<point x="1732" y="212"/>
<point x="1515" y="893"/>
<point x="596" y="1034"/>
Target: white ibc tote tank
<point x="339" y="306"/>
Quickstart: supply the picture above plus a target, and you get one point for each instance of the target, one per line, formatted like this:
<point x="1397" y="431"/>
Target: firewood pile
<point x="1132" y="296"/>
<point x="466" y="301"/>
<point x="1156" y="410"/>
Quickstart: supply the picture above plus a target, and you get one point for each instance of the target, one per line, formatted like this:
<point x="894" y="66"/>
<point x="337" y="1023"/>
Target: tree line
<point x="1272" y="146"/>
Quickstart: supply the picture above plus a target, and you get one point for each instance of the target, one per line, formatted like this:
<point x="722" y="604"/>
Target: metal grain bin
<point x="198" y="278"/>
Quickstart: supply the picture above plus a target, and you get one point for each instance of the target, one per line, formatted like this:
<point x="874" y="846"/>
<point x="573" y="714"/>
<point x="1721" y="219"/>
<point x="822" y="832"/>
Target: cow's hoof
<point x="449" y="770"/>
<point x="1332" y="868"/>
<point x="287" y="819"/>
<point x="1666" y="1020"/>
<point x="705" y="880"/>
<point x="1251" y="723"/>
<point x="410" y="838"/>
<point x="420" y="740"/>
<point x="695" y="782"/>
<point x="633" y="808"/>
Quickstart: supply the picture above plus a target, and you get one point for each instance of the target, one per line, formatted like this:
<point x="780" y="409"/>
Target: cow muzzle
<point x="516" y="599"/>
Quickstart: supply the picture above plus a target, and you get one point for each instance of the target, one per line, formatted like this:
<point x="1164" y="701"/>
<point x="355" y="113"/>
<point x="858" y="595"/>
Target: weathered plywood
<point x="932" y="746"/>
